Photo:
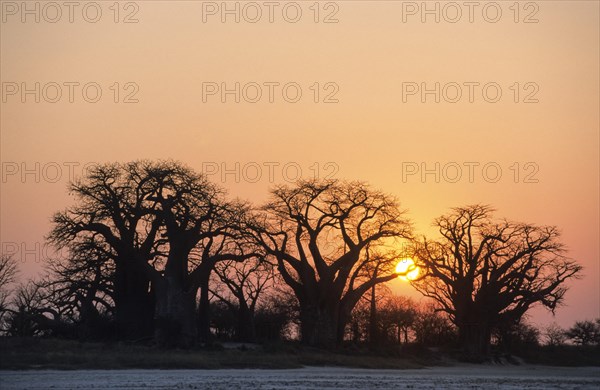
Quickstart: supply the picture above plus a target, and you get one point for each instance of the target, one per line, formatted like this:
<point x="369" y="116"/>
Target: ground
<point x="460" y="376"/>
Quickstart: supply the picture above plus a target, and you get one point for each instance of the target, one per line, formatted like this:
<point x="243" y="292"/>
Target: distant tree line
<point x="156" y="252"/>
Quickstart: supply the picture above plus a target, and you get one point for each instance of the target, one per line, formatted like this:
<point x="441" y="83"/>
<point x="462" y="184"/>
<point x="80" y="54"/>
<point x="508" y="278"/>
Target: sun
<point x="407" y="269"/>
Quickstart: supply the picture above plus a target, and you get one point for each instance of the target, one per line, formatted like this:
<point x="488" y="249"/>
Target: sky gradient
<point x="172" y="58"/>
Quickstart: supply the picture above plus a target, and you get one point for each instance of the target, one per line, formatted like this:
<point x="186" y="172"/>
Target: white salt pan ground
<point x="457" y="377"/>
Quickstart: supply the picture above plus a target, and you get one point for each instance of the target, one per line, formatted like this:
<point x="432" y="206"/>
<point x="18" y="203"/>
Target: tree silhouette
<point x="433" y="328"/>
<point x="318" y="232"/>
<point x="8" y="274"/>
<point x="554" y="334"/>
<point x="164" y="227"/>
<point x="82" y="286"/>
<point x="34" y="310"/>
<point x="584" y="332"/>
<point x="201" y="228"/>
<point x="487" y="274"/>
<point x="244" y="283"/>
<point x="398" y="315"/>
<point x="516" y="336"/>
<point x="112" y="214"/>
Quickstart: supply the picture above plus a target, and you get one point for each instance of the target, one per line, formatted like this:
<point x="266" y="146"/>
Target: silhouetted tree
<point x="554" y="334"/>
<point x="318" y="232"/>
<point x="82" y="286"/>
<point x="433" y="328"/>
<point x="486" y="274"/>
<point x="397" y="317"/>
<point x="201" y="229"/>
<point x="164" y="227"/>
<point x="244" y="283"/>
<point x="22" y="315"/>
<point x="275" y="312"/>
<point x="584" y="332"/>
<point x="375" y="265"/>
<point x="8" y="269"/>
<point x="514" y="337"/>
<point x="8" y="273"/>
<point x="113" y="213"/>
<point x="34" y="311"/>
<point x="223" y="320"/>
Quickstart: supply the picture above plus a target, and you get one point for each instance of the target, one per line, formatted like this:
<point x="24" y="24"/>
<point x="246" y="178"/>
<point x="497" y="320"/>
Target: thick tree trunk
<point x="319" y="325"/>
<point x="475" y="337"/>
<point x="134" y="303"/>
<point x="175" y="320"/>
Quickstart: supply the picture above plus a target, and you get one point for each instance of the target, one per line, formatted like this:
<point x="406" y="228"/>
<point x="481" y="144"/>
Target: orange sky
<point x="369" y="134"/>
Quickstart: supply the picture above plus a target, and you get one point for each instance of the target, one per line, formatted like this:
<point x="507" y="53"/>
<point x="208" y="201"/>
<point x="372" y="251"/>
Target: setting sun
<point x="407" y="269"/>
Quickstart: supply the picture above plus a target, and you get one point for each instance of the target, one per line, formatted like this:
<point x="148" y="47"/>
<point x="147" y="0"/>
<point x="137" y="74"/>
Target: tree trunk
<point x="134" y="303"/>
<point x="475" y="337"/>
<point x="175" y="321"/>
<point x="245" y="327"/>
<point x="89" y="320"/>
<point x="319" y="325"/>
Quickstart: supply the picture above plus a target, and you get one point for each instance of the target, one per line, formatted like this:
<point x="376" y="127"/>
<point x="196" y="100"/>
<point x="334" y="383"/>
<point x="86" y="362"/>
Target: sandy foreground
<point x="455" y="377"/>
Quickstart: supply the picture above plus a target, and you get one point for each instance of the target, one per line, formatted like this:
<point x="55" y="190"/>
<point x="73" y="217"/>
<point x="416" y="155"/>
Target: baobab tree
<point x="318" y="233"/>
<point x="201" y="228"/>
<point x="164" y="227"/>
<point x="486" y="274"/>
<point x="112" y="213"/>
